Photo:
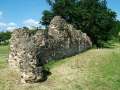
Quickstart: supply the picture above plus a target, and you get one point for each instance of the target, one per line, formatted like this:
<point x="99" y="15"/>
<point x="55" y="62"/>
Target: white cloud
<point x="2" y="26"/>
<point x="10" y="28"/>
<point x="31" y="23"/>
<point x="12" y="24"/>
<point x="7" y="26"/>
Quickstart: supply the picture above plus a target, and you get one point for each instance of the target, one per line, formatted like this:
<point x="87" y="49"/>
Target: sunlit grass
<point x="4" y="50"/>
<point x="95" y="69"/>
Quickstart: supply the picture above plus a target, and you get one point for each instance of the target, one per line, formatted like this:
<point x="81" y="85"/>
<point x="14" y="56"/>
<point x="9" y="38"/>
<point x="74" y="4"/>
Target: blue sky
<point x="17" y="13"/>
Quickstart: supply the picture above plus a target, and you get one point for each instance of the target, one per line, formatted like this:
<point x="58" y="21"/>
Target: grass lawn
<point x="95" y="69"/>
<point x="4" y="50"/>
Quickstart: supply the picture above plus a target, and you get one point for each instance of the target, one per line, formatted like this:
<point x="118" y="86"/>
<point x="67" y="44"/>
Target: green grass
<point x="104" y="71"/>
<point x="95" y="69"/>
<point x="4" y="50"/>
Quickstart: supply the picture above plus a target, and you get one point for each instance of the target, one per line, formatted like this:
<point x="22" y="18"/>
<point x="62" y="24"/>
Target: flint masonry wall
<point x="29" y="52"/>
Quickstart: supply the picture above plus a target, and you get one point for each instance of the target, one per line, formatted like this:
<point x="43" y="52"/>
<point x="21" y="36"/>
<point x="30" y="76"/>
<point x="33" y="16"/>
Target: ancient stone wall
<point x="29" y="52"/>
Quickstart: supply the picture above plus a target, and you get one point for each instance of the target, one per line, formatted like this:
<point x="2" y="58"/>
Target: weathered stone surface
<point x="29" y="52"/>
<point x="66" y="40"/>
<point x="23" y="56"/>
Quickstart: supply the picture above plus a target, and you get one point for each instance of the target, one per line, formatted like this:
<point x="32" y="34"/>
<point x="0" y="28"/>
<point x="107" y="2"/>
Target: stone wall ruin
<point x="29" y="52"/>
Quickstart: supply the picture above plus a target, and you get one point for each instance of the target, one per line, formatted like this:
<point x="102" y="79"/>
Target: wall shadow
<point x="45" y="73"/>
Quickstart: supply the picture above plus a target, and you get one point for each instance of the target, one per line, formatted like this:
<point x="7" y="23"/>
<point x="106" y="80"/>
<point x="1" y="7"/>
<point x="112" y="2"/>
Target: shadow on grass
<point x="46" y="72"/>
<point x="109" y="45"/>
<point x="53" y="63"/>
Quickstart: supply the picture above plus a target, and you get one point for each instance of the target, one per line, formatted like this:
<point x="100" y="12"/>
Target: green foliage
<point x="117" y="33"/>
<point x="47" y="16"/>
<point x="91" y="16"/>
<point x="4" y="38"/>
<point x="118" y="28"/>
<point x="98" y="21"/>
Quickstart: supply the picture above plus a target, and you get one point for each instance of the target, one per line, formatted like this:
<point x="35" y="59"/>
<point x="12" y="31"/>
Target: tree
<point x="91" y="16"/>
<point x="64" y="8"/>
<point x="4" y="37"/>
<point x="98" y="21"/>
<point x="47" y="17"/>
<point x="118" y="30"/>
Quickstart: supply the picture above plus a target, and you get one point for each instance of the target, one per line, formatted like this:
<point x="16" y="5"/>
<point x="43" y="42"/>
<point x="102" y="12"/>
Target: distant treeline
<point x="4" y="38"/>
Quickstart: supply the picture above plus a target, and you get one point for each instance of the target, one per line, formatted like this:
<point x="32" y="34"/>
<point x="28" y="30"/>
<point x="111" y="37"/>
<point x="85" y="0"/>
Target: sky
<point x="19" y="13"/>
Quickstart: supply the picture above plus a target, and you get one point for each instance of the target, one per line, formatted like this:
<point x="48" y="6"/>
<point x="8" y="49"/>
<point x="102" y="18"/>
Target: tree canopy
<point x="4" y="37"/>
<point x="91" y="16"/>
